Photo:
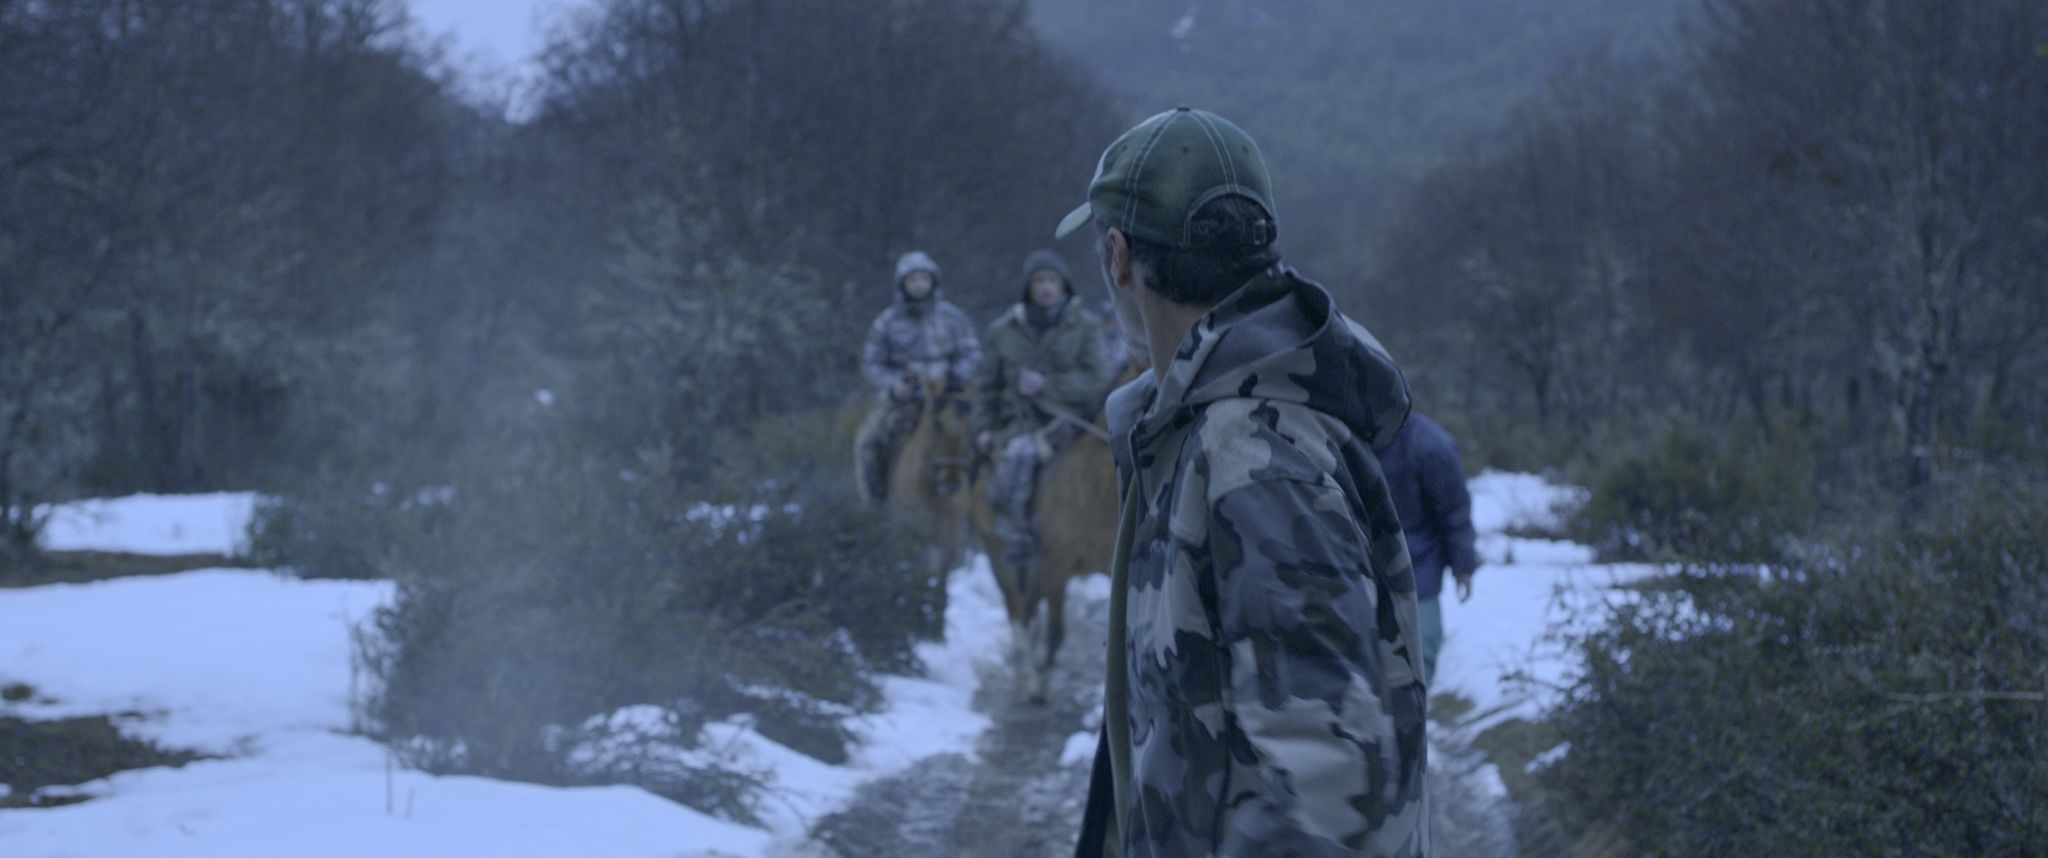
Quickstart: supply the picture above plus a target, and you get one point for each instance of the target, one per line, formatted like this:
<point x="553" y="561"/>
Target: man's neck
<point x="1166" y="325"/>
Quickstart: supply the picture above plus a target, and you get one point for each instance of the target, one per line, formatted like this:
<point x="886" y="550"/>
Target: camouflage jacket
<point x="1264" y="635"/>
<point x="929" y="339"/>
<point x="1069" y="355"/>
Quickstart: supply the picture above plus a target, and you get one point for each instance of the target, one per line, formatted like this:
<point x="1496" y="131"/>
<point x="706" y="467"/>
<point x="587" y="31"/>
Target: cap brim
<point x="1074" y="220"/>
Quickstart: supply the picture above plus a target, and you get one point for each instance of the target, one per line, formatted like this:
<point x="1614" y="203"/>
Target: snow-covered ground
<point x="1525" y="588"/>
<point x="153" y="524"/>
<point x="256" y="668"/>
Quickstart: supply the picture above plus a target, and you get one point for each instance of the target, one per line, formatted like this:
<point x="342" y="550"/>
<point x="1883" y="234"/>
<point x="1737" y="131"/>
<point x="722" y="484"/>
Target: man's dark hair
<point x="1233" y="241"/>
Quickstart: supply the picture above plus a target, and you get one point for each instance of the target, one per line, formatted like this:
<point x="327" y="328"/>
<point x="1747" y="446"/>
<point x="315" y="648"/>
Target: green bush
<point x="1699" y="495"/>
<point x="1884" y="695"/>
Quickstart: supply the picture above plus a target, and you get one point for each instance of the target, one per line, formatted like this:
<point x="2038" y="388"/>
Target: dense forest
<point x="1769" y="277"/>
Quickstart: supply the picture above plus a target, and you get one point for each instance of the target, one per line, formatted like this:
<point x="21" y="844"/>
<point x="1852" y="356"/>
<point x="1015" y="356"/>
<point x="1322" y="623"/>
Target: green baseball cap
<point x="1154" y="177"/>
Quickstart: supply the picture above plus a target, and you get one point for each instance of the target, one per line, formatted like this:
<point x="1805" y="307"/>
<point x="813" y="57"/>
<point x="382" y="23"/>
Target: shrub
<point x="339" y="528"/>
<point x="558" y="587"/>
<point x="1883" y="695"/>
<point x="1699" y="495"/>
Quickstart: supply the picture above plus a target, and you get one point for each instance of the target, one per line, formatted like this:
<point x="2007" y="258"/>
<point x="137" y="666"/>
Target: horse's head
<point x="951" y="459"/>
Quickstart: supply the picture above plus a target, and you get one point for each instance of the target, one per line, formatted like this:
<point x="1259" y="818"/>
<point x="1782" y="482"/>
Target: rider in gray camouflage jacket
<point x="920" y="337"/>
<point x="1263" y="697"/>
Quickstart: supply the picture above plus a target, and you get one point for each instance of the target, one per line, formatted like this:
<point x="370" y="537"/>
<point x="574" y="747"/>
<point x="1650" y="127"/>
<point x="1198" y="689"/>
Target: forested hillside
<point x="1351" y="101"/>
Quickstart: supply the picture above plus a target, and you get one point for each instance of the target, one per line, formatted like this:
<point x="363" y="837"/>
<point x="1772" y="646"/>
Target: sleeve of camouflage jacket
<point x="874" y="357"/>
<point x="1450" y="505"/>
<point x="966" y="357"/>
<point x="1079" y="384"/>
<point x="1315" y="755"/>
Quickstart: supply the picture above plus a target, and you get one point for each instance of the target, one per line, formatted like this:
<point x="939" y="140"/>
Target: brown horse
<point x="929" y="476"/>
<point x="1076" y="511"/>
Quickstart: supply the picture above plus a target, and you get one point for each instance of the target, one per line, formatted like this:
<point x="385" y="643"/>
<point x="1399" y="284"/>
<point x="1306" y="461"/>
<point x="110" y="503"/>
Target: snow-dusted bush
<point x="1883" y="695"/>
<point x="560" y="586"/>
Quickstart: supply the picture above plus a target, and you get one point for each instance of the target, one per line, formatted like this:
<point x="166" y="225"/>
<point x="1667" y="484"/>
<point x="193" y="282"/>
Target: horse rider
<point x="920" y="337"/>
<point x="1039" y="389"/>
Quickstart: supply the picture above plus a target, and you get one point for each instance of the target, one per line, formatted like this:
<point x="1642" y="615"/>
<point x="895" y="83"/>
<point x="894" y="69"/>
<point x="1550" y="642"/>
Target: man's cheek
<point x="1129" y="319"/>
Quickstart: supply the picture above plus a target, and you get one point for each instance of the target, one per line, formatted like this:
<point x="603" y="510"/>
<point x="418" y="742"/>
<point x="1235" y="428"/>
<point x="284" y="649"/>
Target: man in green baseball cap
<point x="1264" y="695"/>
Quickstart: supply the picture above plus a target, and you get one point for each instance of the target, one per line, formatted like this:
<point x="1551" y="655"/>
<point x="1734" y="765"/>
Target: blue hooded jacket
<point x="1427" y="483"/>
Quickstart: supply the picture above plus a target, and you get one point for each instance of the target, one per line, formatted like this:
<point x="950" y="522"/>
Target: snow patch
<point x="1505" y="501"/>
<point x="1528" y="593"/>
<point x="1547" y="758"/>
<point x="314" y="794"/>
<point x="152" y="524"/>
<point x="1080" y="749"/>
<point x="1094" y="586"/>
<point x="1489" y="778"/>
<point x="218" y="657"/>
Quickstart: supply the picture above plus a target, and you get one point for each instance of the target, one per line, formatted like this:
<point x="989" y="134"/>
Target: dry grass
<point x="78" y="567"/>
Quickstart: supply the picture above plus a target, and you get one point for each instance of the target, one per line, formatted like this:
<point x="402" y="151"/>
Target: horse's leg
<point x="1055" y="618"/>
<point x="1030" y="676"/>
<point x="1013" y="607"/>
<point x="935" y="569"/>
<point x="1023" y="663"/>
<point x="955" y="538"/>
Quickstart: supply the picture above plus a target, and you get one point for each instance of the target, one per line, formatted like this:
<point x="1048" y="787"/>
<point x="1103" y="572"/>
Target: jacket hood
<point x="1281" y="337"/>
<point x="1039" y="260"/>
<point x="916" y="260"/>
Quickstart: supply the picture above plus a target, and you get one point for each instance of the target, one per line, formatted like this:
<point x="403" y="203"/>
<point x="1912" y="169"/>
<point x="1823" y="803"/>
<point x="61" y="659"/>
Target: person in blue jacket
<point x="1428" y="486"/>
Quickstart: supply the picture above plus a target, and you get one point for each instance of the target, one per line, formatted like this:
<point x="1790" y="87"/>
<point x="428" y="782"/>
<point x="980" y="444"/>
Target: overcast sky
<point x="504" y="32"/>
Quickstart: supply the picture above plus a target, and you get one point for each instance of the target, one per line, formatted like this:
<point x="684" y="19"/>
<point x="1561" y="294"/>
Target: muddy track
<point x="1013" y="798"/>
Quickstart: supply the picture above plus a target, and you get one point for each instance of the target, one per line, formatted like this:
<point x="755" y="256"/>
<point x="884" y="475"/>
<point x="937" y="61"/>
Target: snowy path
<point x="1019" y="795"/>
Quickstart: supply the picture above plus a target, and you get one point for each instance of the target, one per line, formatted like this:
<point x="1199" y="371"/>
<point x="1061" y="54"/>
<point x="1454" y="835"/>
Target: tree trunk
<point x="148" y="422"/>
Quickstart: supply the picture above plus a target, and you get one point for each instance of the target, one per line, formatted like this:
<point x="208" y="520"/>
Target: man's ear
<point x="1120" y="273"/>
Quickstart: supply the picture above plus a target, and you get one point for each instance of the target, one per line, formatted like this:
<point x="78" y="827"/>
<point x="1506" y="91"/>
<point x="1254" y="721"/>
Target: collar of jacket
<point x="1041" y="320"/>
<point x="1019" y="315"/>
<point x="1278" y="337"/>
<point x="920" y="308"/>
